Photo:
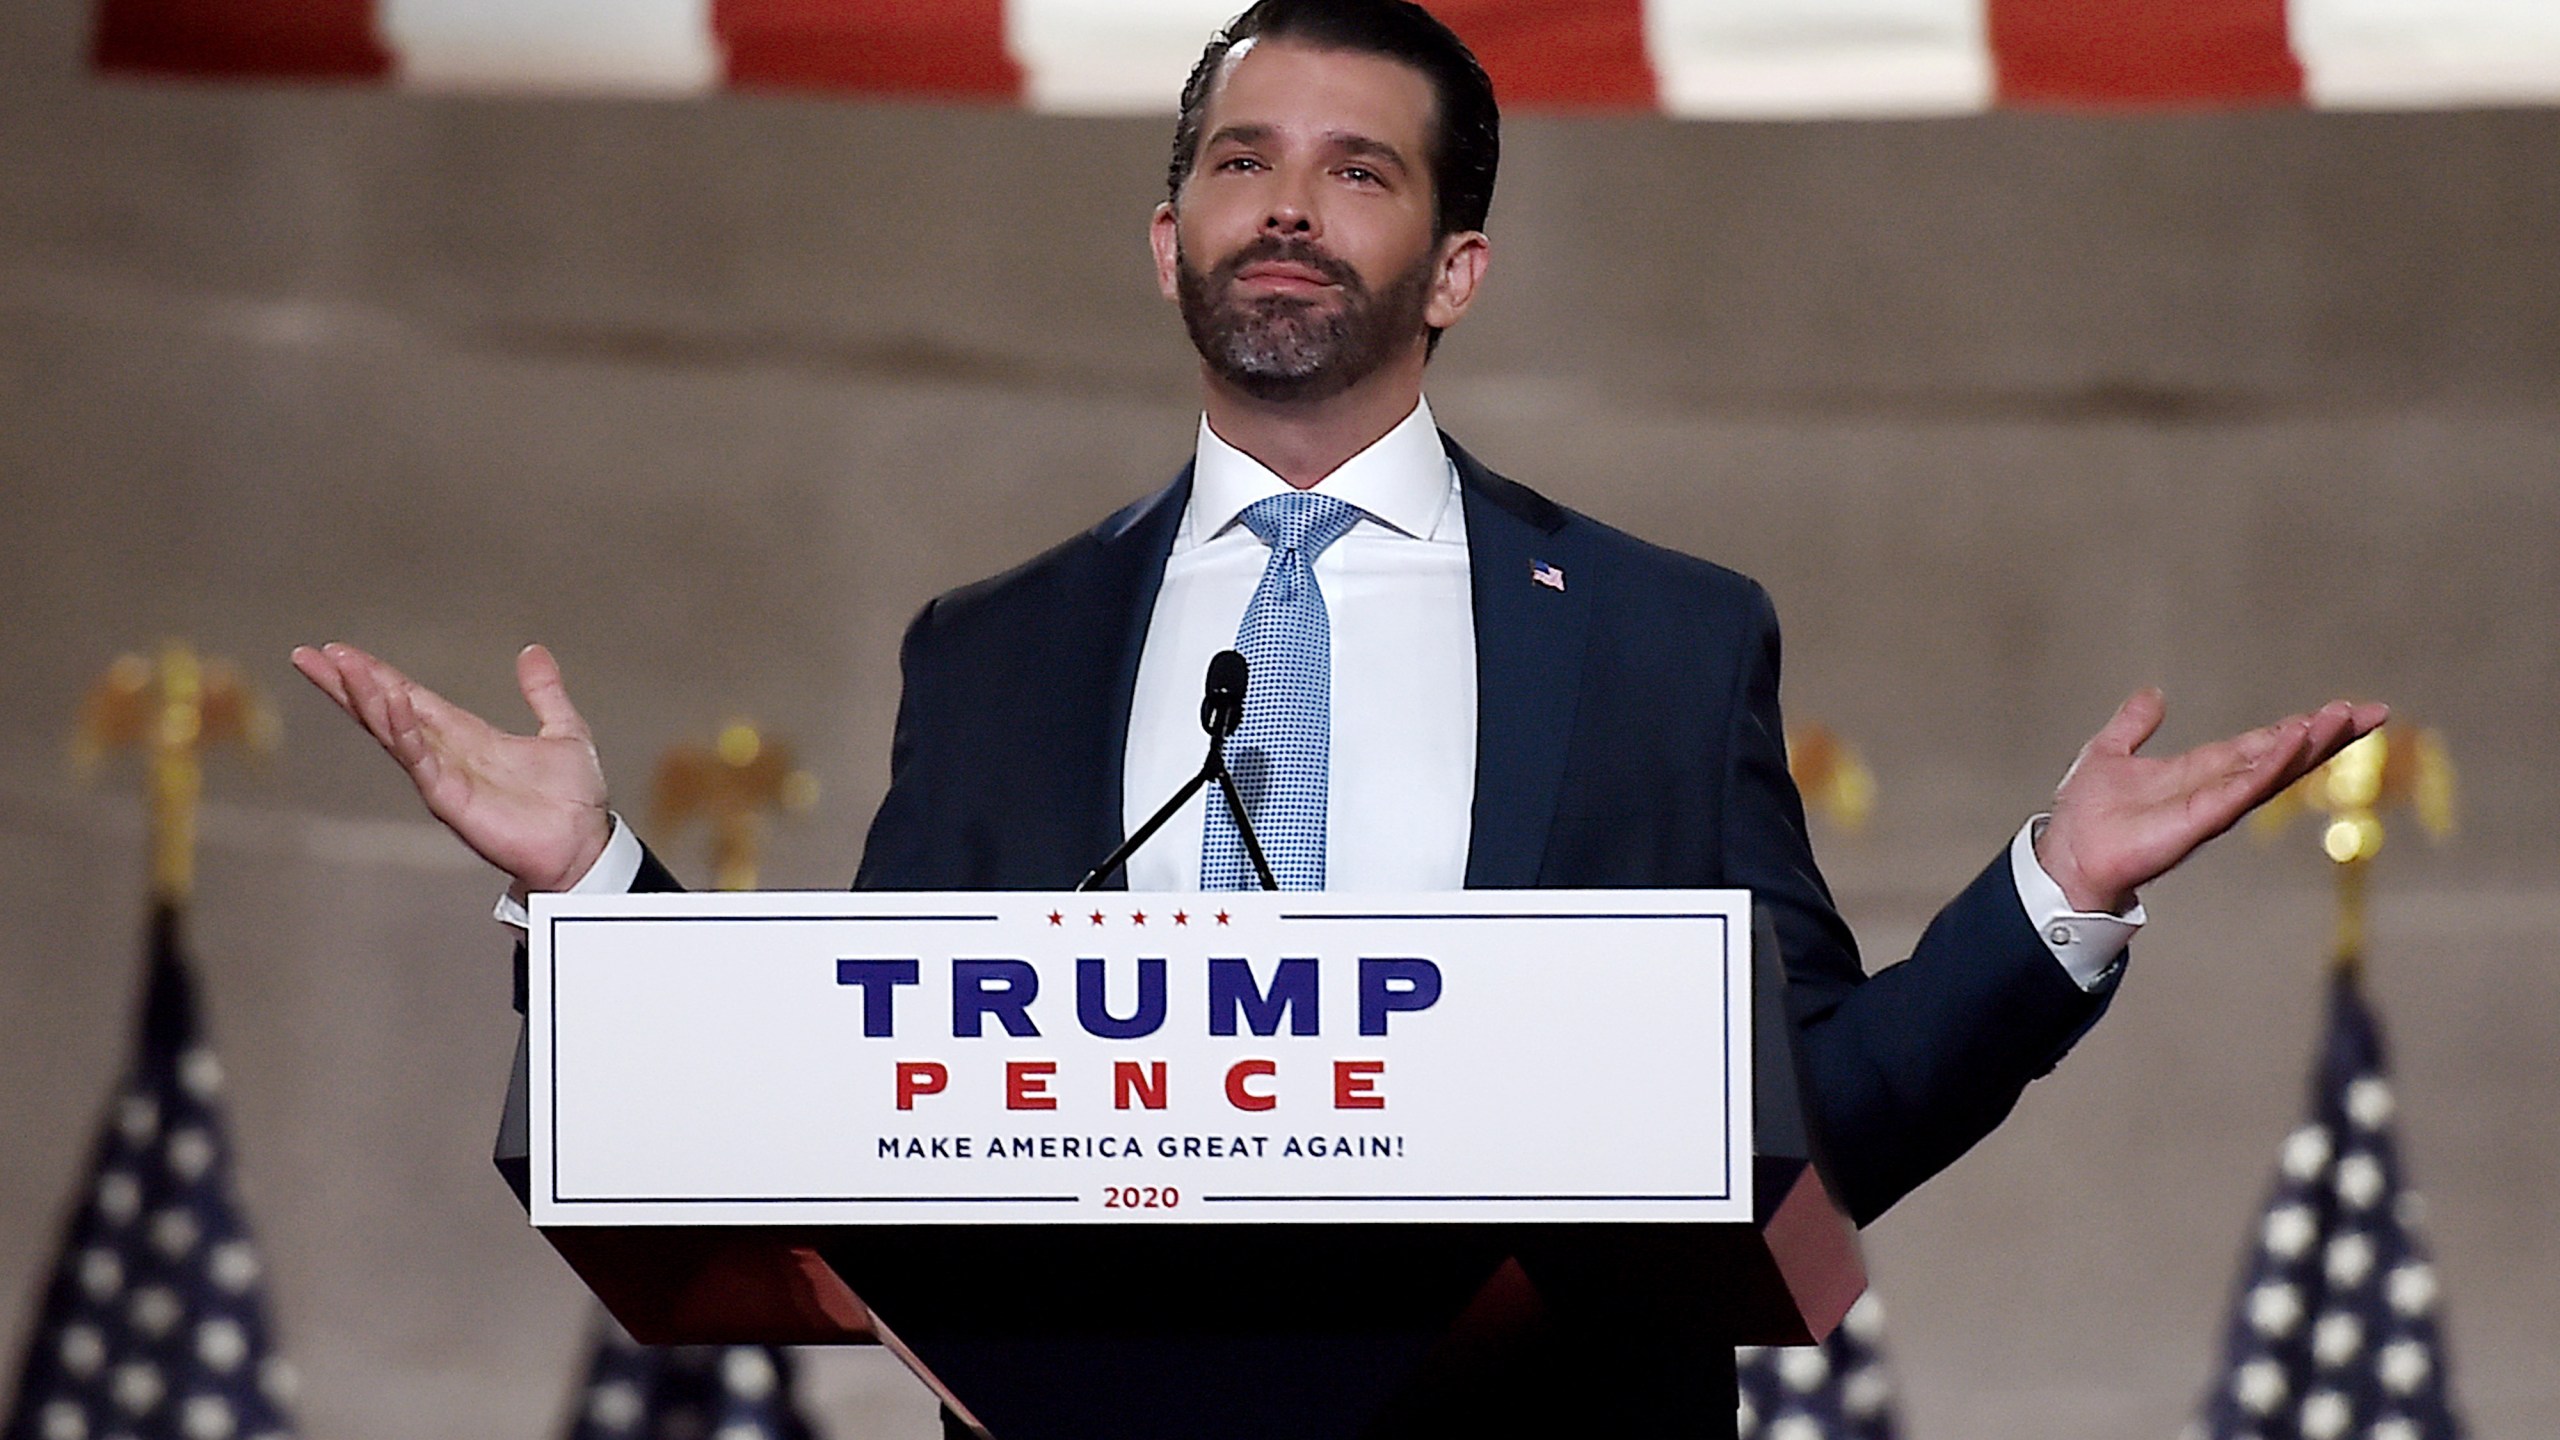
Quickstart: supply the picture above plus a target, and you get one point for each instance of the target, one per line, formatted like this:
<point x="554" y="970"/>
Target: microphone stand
<point x="1220" y="713"/>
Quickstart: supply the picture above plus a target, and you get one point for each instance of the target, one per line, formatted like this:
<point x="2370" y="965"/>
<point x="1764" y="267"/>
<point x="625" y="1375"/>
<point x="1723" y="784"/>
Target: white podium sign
<point x="853" y="1059"/>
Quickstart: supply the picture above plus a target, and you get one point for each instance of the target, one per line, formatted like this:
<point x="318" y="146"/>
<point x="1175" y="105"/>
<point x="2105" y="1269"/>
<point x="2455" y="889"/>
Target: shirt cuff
<point x="2090" y="946"/>
<point x="612" y="874"/>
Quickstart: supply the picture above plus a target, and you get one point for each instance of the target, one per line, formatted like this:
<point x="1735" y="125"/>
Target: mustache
<point x="1270" y="249"/>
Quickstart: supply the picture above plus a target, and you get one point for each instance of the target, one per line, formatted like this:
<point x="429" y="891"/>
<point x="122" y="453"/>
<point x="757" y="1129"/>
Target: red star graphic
<point x="1057" y="919"/>
<point x="1222" y="917"/>
<point x="1181" y="917"/>
<point x="1097" y="917"/>
<point x="1138" y="917"/>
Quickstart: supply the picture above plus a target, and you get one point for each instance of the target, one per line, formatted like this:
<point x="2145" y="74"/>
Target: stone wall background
<point x="2011" y="413"/>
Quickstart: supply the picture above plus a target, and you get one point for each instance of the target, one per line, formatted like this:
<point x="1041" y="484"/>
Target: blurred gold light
<point x="739" y="744"/>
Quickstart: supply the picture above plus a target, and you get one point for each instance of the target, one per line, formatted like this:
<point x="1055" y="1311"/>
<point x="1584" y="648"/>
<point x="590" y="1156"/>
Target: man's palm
<point x="532" y="805"/>
<point x="2122" y="820"/>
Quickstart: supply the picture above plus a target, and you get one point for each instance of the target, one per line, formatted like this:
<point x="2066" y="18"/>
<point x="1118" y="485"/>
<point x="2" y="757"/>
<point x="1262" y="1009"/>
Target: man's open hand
<point x="2121" y="820"/>
<point x="532" y="805"/>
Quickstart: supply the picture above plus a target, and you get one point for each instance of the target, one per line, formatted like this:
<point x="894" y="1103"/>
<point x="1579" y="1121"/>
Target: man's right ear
<point x="1166" y="242"/>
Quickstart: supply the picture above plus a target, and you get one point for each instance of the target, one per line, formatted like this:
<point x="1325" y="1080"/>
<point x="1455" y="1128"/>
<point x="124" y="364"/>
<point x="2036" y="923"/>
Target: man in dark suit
<point x="1504" y="693"/>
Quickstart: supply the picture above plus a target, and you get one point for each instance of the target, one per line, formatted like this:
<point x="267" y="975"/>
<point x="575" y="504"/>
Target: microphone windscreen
<point x="1222" y="706"/>
<point x="1226" y="674"/>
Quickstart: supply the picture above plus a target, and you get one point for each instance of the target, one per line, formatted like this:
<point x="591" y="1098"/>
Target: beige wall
<point x="2011" y="413"/>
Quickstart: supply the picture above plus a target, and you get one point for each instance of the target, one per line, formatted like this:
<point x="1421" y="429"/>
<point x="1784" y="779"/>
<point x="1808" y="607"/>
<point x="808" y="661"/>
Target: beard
<point x="1293" y="347"/>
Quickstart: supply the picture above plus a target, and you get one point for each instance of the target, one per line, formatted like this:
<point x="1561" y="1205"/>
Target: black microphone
<point x="1221" y="711"/>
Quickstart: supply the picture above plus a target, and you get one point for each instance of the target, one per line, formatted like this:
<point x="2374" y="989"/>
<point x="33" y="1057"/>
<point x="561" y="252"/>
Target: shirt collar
<point x="1401" y="480"/>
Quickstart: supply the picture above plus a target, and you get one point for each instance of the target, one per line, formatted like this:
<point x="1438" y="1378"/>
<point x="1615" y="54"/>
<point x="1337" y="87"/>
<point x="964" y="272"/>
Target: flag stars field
<point x="2340" y="1240"/>
<point x="153" y="1326"/>
<point x="1839" y="1390"/>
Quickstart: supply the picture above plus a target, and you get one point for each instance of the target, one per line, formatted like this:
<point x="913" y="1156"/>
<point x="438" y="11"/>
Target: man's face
<point x="1301" y="247"/>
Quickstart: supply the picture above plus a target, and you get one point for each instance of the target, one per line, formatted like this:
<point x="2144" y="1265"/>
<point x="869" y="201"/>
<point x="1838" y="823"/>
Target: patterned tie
<point x="1279" y="755"/>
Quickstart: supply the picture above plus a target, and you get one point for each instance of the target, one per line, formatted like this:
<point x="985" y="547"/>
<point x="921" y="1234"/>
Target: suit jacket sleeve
<point x="1907" y="1068"/>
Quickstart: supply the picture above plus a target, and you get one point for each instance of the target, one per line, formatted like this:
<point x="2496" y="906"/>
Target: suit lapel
<point x="1529" y="639"/>
<point x="1092" y="726"/>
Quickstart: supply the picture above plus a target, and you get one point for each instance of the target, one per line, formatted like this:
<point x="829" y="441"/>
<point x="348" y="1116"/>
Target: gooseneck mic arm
<point x="1221" y="711"/>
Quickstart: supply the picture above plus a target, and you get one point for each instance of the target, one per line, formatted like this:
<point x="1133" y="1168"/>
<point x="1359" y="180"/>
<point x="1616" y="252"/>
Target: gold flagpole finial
<point x="171" y="708"/>
<point x="2391" y="768"/>
<point x="732" y="782"/>
<point x="1833" y="777"/>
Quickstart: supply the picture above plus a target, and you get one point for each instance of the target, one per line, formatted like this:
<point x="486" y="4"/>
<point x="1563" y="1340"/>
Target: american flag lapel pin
<point x="1548" y="575"/>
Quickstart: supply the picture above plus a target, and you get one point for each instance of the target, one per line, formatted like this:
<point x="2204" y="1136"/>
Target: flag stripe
<point x="1559" y="54"/>
<point x="1128" y="57"/>
<point x="950" y="48"/>
<point x="595" y="45"/>
<point x="1804" y="58"/>
<point x="2405" y="53"/>
<point x="2115" y="52"/>
<point x="314" y="39"/>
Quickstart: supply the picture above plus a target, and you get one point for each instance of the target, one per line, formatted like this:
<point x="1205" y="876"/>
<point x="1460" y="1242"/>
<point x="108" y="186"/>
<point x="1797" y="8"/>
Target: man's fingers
<point x="2246" y="776"/>
<point x="411" y="744"/>
<point x="401" y="714"/>
<point x="538" y="675"/>
<point x="2134" y="722"/>
<point x="323" y="674"/>
<point x="367" y="699"/>
<point x="2332" y="726"/>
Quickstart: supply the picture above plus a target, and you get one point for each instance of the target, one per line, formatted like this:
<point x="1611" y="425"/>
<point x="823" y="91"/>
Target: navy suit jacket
<point x="1627" y="735"/>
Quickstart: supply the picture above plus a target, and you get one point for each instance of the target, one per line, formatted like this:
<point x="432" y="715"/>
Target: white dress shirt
<point x="1403" y="748"/>
<point x="1402" y="767"/>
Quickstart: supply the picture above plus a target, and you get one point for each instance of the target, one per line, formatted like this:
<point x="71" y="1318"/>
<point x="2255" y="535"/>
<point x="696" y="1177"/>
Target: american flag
<point x="2333" y="1333"/>
<point x="155" y="1324"/>
<point x="1838" y="1390"/>
<point x="685" y="1392"/>
<point x="1710" y="59"/>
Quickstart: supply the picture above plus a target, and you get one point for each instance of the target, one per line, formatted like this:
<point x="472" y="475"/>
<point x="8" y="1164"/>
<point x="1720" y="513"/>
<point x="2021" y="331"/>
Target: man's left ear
<point x="1463" y="258"/>
<point x="1165" y="242"/>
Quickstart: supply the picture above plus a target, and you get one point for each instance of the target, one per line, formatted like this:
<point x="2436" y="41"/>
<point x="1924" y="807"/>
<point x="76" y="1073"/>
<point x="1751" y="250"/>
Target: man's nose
<point x="1290" y="210"/>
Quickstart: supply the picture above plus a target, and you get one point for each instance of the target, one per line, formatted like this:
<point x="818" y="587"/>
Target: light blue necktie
<point x="1280" y="753"/>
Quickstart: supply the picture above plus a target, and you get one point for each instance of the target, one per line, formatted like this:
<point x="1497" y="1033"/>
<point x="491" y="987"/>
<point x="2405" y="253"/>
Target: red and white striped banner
<point x="1704" y="58"/>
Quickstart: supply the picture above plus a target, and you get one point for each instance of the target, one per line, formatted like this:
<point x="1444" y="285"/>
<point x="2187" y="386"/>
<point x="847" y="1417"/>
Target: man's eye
<point x="1239" y="162"/>
<point x="1360" y="175"/>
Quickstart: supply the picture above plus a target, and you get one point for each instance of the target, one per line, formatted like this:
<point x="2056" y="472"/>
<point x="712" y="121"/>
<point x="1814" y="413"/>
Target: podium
<point x="1482" y="1230"/>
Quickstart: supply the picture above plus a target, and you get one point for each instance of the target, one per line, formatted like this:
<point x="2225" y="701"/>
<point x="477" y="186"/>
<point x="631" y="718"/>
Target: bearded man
<point x="1458" y="682"/>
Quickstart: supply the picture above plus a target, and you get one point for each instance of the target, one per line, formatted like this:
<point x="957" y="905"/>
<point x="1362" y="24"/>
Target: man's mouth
<point x="1284" y="277"/>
